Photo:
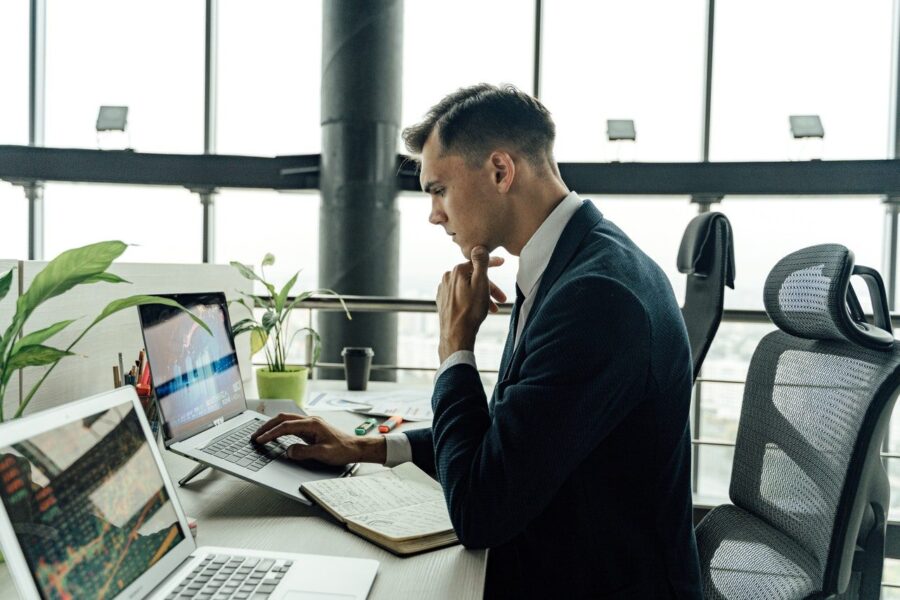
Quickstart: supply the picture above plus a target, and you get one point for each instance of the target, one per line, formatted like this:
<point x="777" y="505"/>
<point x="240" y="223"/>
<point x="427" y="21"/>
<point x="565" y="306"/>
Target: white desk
<point x="232" y="512"/>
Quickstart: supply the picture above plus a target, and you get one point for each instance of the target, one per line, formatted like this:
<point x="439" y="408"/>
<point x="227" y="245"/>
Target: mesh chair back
<point x="814" y="392"/>
<point x="706" y="256"/>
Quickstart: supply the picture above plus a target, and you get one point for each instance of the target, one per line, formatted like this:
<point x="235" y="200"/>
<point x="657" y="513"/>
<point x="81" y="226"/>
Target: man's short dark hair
<point x="476" y="120"/>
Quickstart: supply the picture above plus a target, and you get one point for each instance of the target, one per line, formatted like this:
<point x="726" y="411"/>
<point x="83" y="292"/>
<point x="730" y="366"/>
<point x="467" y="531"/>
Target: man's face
<point x="463" y="201"/>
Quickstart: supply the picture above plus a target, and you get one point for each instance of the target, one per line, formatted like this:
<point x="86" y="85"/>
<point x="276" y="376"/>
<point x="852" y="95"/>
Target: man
<point x="576" y="474"/>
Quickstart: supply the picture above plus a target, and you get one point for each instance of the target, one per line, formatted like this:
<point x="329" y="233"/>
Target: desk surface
<point x="232" y="512"/>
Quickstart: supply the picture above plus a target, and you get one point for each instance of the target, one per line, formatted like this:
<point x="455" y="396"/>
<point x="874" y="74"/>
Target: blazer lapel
<point x="584" y="219"/>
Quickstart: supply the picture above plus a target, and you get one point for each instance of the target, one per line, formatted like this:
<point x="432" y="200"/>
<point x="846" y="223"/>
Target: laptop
<point x="88" y="511"/>
<point x="200" y="396"/>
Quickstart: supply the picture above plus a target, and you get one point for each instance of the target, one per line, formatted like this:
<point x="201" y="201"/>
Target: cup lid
<point x="357" y="351"/>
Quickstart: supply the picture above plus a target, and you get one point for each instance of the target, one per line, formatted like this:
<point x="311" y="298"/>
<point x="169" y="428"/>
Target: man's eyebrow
<point x="428" y="186"/>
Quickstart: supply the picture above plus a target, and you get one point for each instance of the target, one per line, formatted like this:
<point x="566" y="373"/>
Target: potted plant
<point x="271" y="334"/>
<point x="79" y="266"/>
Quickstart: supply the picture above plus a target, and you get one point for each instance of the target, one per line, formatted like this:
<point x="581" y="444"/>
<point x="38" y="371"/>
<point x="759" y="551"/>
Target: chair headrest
<point x="808" y="294"/>
<point x="698" y="246"/>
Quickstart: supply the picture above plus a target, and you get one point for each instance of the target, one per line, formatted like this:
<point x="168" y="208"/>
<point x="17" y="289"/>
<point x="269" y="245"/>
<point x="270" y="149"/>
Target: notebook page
<point x="411" y="521"/>
<point x="354" y="496"/>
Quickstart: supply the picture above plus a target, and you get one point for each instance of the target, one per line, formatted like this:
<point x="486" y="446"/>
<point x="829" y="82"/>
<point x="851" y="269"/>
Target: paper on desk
<point x="400" y="503"/>
<point x="412" y="405"/>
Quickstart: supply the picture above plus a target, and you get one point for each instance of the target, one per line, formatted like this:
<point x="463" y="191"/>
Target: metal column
<point x="34" y="190"/>
<point x="359" y="224"/>
<point x="538" y="44"/>
<point x="210" y="106"/>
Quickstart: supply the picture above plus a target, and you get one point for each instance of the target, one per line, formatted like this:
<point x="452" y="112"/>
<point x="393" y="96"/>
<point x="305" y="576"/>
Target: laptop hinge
<point x="219" y="421"/>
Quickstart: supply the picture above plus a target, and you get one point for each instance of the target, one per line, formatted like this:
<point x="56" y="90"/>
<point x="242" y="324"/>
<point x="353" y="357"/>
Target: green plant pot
<point x="289" y="384"/>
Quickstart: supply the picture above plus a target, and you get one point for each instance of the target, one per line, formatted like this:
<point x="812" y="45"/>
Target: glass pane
<point x="817" y="59"/>
<point x="426" y="252"/>
<point x="715" y="473"/>
<point x="251" y="223"/>
<point x="14" y="24"/>
<point x="767" y="229"/>
<point x="656" y="225"/>
<point x="496" y="47"/>
<point x="14" y="223"/>
<point x="163" y="224"/>
<point x="270" y="64"/>
<point x="625" y="60"/>
<point x="148" y="56"/>
<point x="893" y="469"/>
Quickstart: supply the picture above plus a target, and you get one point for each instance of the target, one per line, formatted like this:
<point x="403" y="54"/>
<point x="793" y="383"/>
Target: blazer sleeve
<point x="587" y="364"/>
<point x="422" y="445"/>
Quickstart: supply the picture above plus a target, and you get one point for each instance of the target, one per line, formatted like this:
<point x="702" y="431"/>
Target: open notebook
<point x="402" y="509"/>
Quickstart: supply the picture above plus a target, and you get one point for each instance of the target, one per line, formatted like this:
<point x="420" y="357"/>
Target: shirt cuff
<point x="398" y="449"/>
<point x="460" y="357"/>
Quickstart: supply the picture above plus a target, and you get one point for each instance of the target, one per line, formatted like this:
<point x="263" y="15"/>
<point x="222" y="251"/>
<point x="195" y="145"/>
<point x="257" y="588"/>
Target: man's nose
<point x="437" y="215"/>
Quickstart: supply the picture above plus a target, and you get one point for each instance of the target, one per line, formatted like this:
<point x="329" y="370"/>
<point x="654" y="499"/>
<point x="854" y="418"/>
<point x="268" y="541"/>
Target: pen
<point x="390" y="423"/>
<point x="366" y="426"/>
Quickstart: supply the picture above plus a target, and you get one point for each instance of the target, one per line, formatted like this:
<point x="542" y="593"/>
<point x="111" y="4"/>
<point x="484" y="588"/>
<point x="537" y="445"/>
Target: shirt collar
<point x="535" y="256"/>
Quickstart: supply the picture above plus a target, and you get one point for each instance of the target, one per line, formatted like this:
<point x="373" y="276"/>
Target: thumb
<point x="480" y="258"/>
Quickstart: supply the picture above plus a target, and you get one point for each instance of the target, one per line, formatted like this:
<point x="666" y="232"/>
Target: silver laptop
<point x="88" y="511"/>
<point x="200" y="395"/>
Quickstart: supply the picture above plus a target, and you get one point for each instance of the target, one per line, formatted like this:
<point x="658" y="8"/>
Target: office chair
<point x="706" y="256"/>
<point x="810" y="494"/>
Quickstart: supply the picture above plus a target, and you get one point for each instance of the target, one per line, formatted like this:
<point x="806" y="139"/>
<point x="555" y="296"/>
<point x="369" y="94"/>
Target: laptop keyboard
<point x="224" y="577"/>
<point x="236" y="447"/>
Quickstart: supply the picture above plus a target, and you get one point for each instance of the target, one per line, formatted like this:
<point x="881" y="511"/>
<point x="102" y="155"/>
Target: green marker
<point x="366" y="426"/>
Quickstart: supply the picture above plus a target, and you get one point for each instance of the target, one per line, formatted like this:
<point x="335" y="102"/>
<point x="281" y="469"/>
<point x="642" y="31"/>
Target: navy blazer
<point x="577" y="475"/>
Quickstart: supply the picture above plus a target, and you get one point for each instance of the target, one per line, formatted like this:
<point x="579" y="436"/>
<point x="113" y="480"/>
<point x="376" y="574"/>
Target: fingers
<point x="301" y="426"/>
<point x="496" y="293"/>
<point x="480" y="260"/>
<point x="496" y="261"/>
<point x="273" y="422"/>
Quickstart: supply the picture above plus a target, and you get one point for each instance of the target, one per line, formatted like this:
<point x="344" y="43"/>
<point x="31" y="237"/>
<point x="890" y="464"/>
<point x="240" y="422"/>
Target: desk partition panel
<point x="91" y="371"/>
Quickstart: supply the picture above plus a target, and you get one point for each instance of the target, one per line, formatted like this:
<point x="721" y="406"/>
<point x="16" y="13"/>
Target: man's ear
<point x="503" y="169"/>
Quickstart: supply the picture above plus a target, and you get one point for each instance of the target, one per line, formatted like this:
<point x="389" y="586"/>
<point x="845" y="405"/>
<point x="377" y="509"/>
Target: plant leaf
<point x="35" y="356"/>
<point x="245" y="270"/>
<point x="268" y="260"/>
<point x="260" y="301"/>
<point x="64" y="272"/>
<point x="41" y="336"/>
<point x="258" y="339"/>
<point x="283" y="294"/>
<point x="298" y="299"/>
<point x="5" y="284"/>
<point x="105" y="278"/>
<point x="123" y="303"/>
<point x="269" y="320"/>
<point x="250" y="274"/>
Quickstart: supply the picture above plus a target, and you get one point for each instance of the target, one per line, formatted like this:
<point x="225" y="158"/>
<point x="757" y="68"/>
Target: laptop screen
<point x="196" y="375"/>
<point x="88" y="505"/>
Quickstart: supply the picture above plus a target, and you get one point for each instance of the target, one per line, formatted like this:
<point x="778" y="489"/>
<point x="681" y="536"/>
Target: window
<point x="14" y="25"/>
<point x="251" y="223"/>
<point x="447" y="48"/>
<point x="14" y="222"/>
<point x="775" y="59"/>
<point x="767" y="229"/>
<point x="164" y="224"/>
<point x="146" y="55"/>
<point x="640" y="60"/>
<point x="270" y="57"/>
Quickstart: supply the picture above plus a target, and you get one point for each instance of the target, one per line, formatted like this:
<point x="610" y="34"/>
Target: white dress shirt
<point x="533" y="260"/>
